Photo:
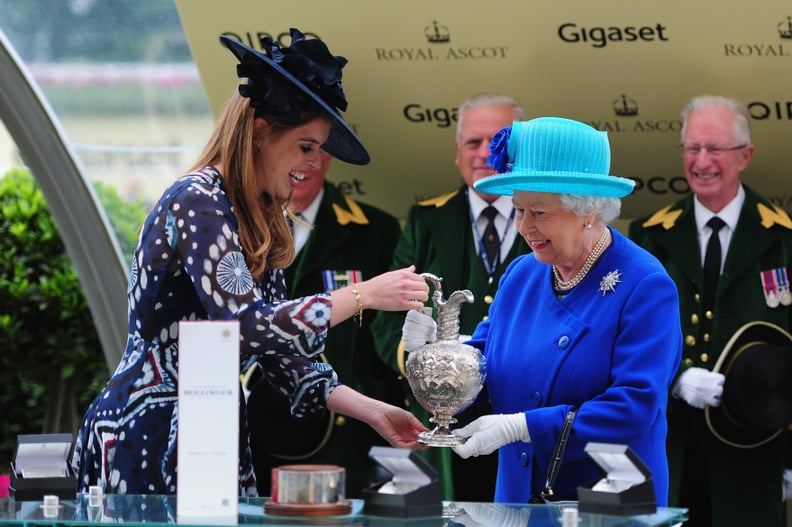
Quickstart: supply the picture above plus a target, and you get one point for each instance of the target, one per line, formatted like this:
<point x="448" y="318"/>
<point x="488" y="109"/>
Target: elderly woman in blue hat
<point x="583" y="331"/>
<point x="214" y="248"/>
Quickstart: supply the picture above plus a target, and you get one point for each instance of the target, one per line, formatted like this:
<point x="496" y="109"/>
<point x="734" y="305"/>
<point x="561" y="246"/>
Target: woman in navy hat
<point x="583" y="332"/>
<point x="213" y="248"/>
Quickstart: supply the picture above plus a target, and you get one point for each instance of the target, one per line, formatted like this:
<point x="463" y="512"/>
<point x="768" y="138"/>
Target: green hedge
<point x="51" y="361"/>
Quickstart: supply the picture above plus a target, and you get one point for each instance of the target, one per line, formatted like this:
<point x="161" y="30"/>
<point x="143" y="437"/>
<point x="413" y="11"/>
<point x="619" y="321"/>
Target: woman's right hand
<point x="399" y="290"/>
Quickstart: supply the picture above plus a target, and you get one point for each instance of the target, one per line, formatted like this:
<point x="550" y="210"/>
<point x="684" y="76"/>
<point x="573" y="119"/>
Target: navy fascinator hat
<point x="286" y="81"/>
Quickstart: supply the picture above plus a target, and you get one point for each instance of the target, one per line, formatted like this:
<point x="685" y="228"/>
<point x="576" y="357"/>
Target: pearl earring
<point x="587" y="225"/>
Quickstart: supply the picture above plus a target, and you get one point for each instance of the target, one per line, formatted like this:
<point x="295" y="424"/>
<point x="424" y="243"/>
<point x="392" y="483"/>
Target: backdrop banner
<point x="624" y="67"/>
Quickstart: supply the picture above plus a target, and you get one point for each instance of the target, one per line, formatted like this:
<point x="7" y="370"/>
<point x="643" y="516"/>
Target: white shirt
<point x="302" y="232"/>
<point x="503" y="221"/>
<point x="729" y="214"/>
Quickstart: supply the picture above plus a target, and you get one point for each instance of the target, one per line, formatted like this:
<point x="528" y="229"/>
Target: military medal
<point x="771" y="288"/>
<point x="784" y="295"/>
<point x="337" y="279"/>
<point x="772" y="300"/>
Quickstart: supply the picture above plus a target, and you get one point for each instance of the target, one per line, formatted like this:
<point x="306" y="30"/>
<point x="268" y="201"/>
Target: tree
<point x="51" y="361"/>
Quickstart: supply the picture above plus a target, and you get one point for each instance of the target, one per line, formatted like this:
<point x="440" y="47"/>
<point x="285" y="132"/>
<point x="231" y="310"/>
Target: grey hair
<point x="742" y="119"/>
<point x="489" y="99"/>
<point x="606" y="209"/>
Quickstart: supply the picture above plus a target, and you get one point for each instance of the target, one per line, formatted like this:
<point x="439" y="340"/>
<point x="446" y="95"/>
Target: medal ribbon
<point x="337" y="279"/>
<point x="782" y="279"/>
<point x="769" y="283"/>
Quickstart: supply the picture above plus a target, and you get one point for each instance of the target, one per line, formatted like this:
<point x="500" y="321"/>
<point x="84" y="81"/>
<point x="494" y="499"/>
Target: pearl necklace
<point x="595" y="253"/>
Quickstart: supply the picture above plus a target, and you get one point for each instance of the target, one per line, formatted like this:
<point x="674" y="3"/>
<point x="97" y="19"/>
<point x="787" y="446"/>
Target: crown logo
<point x="437" y="34"/>
<point x="785" y="28"/>
<point x="625" y="107"/>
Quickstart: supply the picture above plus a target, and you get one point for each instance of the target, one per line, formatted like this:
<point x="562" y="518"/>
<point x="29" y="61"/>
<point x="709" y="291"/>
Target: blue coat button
<point x="563" y="342"/>
<point x="524" y="459"/>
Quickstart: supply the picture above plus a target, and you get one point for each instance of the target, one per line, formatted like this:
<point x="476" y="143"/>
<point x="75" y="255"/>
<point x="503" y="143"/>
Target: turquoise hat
<point x="552" y="154"/>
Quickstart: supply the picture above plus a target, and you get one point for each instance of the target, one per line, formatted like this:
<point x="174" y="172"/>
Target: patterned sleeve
<point x="284" y="334"/>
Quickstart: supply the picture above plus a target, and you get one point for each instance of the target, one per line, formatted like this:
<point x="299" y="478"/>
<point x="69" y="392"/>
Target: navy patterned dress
<point x="188" y="265"/>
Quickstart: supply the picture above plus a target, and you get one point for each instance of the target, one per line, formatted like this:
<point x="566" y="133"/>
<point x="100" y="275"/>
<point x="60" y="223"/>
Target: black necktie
<point x="290" y="221"/>
<point x="712" y="260"/>
<point x="490" y="238"/>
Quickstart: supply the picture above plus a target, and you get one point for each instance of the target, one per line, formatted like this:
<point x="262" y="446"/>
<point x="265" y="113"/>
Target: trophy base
<point x="434" y="438"/>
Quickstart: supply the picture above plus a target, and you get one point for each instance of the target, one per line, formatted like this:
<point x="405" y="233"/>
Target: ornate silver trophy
<point x="445" y="376"/>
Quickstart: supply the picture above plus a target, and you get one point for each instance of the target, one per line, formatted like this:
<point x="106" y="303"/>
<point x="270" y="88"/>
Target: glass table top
<point x="134" y="510"/>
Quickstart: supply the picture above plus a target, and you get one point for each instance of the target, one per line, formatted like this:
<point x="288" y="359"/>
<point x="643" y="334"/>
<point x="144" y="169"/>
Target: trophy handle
<point x="447" y="310"/>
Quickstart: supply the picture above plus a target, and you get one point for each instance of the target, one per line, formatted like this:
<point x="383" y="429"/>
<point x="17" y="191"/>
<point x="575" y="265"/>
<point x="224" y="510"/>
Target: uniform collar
<point x="729" y="214"/>
<point x="477" y="204"/>
<point x="309" y="214"/>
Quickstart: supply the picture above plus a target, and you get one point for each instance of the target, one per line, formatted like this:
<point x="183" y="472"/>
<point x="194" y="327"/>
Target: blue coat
<point x="612" y="354"/>
<point x="437" y="238"/>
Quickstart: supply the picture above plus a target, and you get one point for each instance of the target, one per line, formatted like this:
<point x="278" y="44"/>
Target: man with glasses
<point x="450" y="236"/>
<point x="728" y="249"/>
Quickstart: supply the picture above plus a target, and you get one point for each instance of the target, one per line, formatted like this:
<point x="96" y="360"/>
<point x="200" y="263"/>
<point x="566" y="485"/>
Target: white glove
<point x="490" y="432"/>
<point x="787" y="493"/>
<point x="700" y="387"/>
<point x="494" y="514"/>
<point x="418" y="329"/>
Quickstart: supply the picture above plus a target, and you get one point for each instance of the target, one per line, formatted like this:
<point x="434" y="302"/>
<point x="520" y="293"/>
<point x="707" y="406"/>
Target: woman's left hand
<point x="399" y="427"/>
<point x="398" y="290"/>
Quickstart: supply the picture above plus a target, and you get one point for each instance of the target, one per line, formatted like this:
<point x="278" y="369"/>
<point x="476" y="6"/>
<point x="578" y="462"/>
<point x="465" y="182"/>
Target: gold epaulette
<point x="776" y="216"/>
<point x="664" y="216"/>
<point x="438" y="201"/>
<point x="401" y="361"/>
<point x="353" y="215"/>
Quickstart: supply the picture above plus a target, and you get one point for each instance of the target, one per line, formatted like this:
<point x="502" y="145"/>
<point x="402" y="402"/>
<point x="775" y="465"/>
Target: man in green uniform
<point x="722" y="483"/>
<point x="338" y="241"/>
<point x="446" y="236"/>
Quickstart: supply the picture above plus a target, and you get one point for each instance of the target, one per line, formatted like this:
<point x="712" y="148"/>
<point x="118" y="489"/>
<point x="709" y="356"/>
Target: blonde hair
<point x="263" y="231"/>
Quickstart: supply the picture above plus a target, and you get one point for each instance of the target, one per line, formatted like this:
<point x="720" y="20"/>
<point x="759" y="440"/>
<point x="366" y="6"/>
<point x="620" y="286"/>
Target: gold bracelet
<point x="359" y="314"/>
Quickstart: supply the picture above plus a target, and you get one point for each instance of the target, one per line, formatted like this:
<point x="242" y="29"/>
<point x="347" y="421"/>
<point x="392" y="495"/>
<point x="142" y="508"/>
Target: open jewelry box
<point x="627" y="487"/>
<point x="412" y="491"/>
<point x="41" y="467"/>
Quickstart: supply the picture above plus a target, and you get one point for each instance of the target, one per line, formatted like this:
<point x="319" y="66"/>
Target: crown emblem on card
<point x="436" y="33"/>
<point x="785" y="28"/>
<point x="625" y="107"/>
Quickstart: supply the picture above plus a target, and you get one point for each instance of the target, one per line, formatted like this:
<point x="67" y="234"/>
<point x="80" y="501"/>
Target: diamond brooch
<point x="609" y="281"/>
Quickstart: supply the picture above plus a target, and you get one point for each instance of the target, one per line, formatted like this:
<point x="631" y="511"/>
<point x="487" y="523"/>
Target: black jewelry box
<point x="41" y="467"/>
<point x="627" y="487"/>
<point x="413" y="490"/>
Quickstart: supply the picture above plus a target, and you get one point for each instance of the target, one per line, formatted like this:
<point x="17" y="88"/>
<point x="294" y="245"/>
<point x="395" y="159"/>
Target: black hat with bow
<point x="286" y="81"/>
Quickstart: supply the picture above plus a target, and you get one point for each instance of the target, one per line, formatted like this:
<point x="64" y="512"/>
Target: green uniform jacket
<point x="437" y="238"/>
<point x="347" y="236"/>
<point x="745" y="483"/>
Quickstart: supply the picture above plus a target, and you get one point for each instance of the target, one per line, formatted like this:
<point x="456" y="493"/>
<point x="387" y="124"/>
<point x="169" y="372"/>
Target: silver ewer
<point x="445" y="376"/>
